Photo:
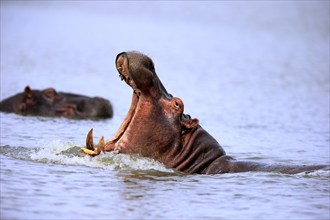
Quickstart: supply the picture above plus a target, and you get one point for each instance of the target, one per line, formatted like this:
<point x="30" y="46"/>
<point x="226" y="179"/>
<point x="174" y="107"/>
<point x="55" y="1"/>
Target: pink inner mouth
<point x="122" y="67"/>
<point x="124" y="125"/>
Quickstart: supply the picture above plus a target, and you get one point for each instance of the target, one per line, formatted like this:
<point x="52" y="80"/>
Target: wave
<point x="56" y="152"/>
<point x="315" y="173"/>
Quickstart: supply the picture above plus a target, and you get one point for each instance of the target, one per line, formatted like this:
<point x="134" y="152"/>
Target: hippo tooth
<point x="89" y="140"/>
<point x="100" y="145"/>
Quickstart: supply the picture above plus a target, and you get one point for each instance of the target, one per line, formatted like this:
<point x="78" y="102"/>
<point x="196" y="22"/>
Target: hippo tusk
<point x="100" y="145"/>
<point x="90" y="149"/>
<point x="89" y="140"/>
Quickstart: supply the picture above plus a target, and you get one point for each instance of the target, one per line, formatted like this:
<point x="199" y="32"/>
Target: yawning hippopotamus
<point x="156" y="127"/>
<point x="49" y="102"/>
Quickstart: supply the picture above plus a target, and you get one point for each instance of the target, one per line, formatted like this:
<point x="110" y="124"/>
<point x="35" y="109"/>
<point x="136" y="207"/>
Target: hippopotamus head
<point x="49" y="102"/>
<point x="155" y="121"/>
<point x="156" y="125"/>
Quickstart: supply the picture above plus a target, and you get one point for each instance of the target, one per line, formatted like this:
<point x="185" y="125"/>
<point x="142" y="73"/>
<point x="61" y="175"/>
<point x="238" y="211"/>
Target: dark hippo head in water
<point x="156" y="127"/>
<point x="51" y="103"/>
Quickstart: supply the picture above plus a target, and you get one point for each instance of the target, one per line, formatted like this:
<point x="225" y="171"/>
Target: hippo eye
<point x="50" y="93"/>
<point x="176" y="104"/>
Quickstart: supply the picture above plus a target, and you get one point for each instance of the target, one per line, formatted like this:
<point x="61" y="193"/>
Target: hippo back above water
<point x="157" y="127"/>
<point x="49" y="102"/>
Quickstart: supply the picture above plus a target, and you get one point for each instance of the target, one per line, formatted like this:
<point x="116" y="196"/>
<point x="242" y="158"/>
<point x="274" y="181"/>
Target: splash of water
<point x="56" y="152"/>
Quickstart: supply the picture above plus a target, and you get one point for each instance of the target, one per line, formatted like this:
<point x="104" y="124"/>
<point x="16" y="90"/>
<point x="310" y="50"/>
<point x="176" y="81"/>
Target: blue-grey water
<point x="256" y="74"/>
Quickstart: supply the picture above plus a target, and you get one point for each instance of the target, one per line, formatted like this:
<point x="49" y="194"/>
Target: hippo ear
<point x="27" y="91"/>
<point x="26" y="100"/>
<point x="189" y="123"/>
<point x="28" y="94"/>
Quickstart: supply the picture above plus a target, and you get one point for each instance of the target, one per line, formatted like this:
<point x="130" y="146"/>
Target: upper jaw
<point x="124" y="74"/>
<point x="122" y="67"/>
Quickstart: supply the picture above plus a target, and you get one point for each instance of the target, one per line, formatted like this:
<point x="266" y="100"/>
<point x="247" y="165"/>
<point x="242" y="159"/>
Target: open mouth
<point x="122" y="67"/>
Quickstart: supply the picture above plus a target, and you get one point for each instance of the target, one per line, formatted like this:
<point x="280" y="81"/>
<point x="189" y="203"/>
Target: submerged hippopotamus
<point x="156" y="127"/>
<point x="49" y="102"/>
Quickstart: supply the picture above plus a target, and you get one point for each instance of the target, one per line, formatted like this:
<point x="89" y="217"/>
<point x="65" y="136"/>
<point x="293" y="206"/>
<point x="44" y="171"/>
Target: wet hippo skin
<point x="157" y="127"/>
<point x="49" y="102"/>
